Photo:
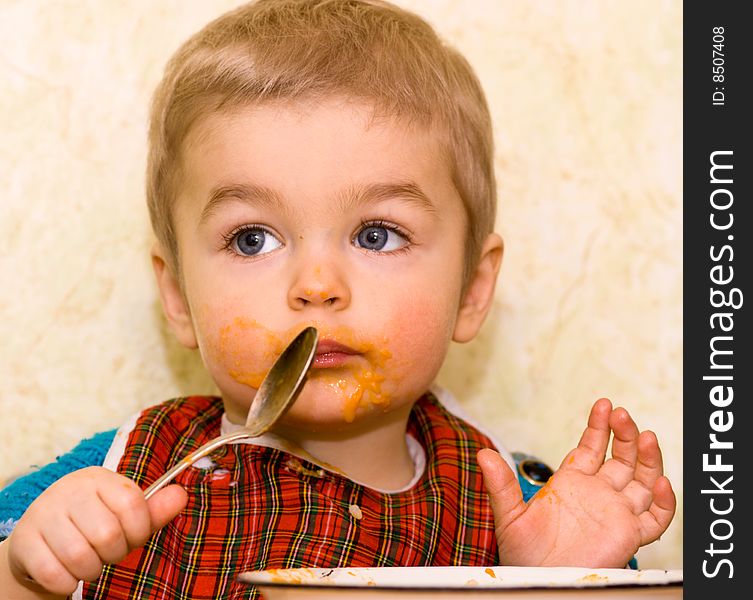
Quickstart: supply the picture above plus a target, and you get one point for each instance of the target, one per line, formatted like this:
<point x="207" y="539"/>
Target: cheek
<point x="419" y="334"/>
<point x="240" y="348"/>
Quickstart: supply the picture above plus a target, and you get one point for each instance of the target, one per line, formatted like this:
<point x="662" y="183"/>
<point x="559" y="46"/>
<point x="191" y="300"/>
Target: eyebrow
<point x="353" y="196"/>
<point x="246" y="192"/>
<point x="378" y="192"/>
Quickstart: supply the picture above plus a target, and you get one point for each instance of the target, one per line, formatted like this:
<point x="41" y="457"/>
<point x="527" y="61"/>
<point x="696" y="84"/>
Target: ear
<point x="173" y="301"/>
<point x="479" y="293"/>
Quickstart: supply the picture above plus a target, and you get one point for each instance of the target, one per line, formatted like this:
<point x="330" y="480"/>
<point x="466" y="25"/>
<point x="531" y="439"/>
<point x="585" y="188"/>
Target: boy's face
<point x="294" y="215"/>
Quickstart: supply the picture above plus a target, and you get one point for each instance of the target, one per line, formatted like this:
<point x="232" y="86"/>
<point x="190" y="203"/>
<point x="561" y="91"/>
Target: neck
<point x="373" y="452"/>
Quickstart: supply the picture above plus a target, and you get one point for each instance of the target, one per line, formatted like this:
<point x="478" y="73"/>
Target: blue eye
<point x="254" y="240"/>
<point x="380" y="238"/>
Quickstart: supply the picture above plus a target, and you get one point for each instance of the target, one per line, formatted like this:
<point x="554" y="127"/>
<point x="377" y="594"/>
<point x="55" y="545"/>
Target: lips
<point x="331" y="354"/>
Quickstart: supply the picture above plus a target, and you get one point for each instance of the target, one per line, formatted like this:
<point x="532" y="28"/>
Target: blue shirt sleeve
<point x="16" y="497"/>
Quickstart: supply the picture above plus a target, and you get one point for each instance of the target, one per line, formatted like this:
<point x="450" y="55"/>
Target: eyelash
<point x="389" y="227"/>
<point x="230" y="237"/>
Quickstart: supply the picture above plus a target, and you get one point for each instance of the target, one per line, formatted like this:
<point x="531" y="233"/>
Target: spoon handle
<point x="207" y="448"/>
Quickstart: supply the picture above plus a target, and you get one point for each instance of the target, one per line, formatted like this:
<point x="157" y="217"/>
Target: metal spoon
<point x="276" y="393"/>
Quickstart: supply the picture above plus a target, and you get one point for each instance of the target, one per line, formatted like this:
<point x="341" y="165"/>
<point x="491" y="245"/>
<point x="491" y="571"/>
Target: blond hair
<point x="368" y="50"/>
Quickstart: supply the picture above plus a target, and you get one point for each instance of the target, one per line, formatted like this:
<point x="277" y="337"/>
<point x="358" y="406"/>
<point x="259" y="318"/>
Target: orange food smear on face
<point x="252" y="380"/>
<point x="358" y="385"/>
<point x="232" y="341"/>
<point x="351" y="403"/>
<point x="368" y="383"/>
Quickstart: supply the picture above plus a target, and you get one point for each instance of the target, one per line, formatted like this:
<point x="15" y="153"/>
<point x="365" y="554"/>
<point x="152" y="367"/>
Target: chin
<point x="322" y="408"/>
<point x="314" y="414"/>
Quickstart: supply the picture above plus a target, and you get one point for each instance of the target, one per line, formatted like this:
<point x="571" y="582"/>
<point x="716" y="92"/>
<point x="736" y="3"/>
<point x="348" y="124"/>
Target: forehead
<point x="313" y="149"/>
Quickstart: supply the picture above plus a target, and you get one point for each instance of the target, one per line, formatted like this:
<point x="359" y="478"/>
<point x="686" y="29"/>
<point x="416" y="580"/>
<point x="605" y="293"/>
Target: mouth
<point x="331" y="354"/>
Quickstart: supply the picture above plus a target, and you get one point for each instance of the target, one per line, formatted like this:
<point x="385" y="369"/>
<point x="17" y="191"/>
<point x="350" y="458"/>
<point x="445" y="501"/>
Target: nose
<point x="319" y="284"/>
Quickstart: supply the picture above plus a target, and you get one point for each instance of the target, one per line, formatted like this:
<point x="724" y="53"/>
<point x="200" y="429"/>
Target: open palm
<point x="592" y="512"/>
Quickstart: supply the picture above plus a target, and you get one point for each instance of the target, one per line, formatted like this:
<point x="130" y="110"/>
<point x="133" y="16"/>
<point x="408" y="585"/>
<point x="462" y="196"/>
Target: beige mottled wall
<point x="586" y="100"/>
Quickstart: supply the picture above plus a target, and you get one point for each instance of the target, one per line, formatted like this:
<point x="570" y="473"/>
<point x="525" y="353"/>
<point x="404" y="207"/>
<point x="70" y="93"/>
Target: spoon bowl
<point x="277" y="392"/>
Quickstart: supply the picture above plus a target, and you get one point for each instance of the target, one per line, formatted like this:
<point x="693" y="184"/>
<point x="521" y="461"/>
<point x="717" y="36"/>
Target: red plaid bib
<point x="252" y="511"/>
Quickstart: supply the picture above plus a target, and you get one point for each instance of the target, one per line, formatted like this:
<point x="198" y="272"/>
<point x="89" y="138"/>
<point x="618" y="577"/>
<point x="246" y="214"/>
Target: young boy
<point x="325" y="163"/>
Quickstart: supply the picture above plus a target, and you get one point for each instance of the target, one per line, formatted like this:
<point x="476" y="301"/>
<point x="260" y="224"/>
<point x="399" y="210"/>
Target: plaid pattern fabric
<point x="252" y="510"/>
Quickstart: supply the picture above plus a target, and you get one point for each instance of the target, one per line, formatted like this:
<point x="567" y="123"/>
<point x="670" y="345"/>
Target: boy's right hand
<point x="82" y="522"/>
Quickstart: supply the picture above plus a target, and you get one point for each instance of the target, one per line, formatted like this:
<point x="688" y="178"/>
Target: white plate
<point x="464" y="583"/>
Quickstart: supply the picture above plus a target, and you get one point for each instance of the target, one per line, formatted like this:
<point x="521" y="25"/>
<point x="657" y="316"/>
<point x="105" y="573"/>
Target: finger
<point x="620" y="469"/>
<point x="650" y="464"/>
<point x="625" y="441"/>
<point x="73" y="551"/>
<point x="39" y="567"/>
<point x="125" y="500"/>
<point x="502" y="486"/>
<point x="589" y="455"/>
<point x="165" y="505"/>
<point x="656" y="519"/>
<point x="648" y="469"/>
<point x="101" y="528"/>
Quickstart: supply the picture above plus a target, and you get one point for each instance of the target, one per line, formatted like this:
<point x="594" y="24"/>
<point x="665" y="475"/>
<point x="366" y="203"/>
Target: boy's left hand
<point x="591" y="513"/>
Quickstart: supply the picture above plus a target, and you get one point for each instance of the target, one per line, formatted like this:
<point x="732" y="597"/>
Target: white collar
<point x="271" y="440"/>
<point x="415" y="450"/>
